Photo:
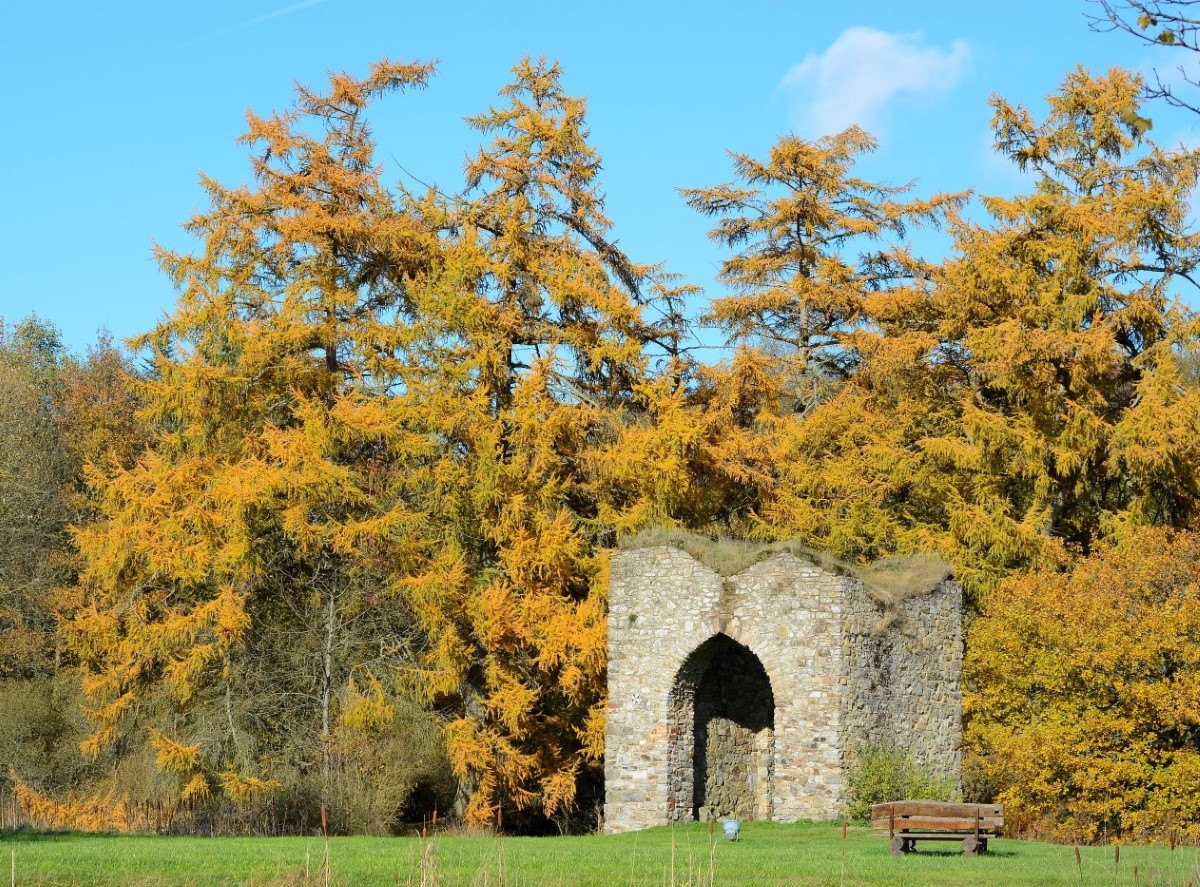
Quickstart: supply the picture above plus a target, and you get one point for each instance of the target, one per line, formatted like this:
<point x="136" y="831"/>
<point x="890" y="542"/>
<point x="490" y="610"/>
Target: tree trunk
<point x="464" y="788"/>
<point x="326" y="697"/>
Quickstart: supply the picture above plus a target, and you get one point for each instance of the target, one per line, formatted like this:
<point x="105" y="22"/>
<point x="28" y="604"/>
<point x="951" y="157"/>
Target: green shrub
<point x="978" y="780"/>
<point x="880" y="773"/>
<point x="389" y="771"/>
<point x="41" y="724"/>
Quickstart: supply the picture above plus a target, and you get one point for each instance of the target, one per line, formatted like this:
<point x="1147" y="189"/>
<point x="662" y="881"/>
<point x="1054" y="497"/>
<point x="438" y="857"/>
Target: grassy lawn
<point x="768" y="854"/>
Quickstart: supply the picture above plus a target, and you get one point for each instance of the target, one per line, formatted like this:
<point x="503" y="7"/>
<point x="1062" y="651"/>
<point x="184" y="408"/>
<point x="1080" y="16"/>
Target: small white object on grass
<point x="731" y="827"/>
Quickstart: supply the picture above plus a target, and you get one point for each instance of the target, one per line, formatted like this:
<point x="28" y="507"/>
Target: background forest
<point x="335" y="532"/>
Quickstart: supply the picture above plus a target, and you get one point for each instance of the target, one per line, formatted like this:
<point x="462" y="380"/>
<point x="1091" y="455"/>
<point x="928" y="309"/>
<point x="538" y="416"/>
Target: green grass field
<point x="768" y="854"/>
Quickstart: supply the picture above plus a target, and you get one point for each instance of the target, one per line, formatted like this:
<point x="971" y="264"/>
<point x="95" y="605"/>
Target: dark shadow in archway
<point x="721" y="734"/>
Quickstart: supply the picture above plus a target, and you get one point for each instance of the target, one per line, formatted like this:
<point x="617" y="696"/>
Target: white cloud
<point x="258" y="19"/>
<point x="858" y="78"/>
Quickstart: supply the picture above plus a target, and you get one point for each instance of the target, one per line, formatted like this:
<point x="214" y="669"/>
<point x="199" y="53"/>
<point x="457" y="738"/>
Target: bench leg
<point x="900" y="846"/>
<point x="973" y="846"/>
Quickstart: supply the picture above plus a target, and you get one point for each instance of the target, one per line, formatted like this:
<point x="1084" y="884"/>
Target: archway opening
<point x="722" y="734"/>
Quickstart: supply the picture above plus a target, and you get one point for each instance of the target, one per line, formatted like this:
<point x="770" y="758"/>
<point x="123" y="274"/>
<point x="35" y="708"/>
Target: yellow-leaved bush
<point x="1082" y="700"/>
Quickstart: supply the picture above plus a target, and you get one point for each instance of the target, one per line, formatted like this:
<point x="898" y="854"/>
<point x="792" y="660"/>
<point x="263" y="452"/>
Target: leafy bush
<point x="389" y="764"/>
<point x="1083" y="694"/>
<point x="978" y="780"/>
<point x="880" y="773"/>
<point x="41" y="724"/>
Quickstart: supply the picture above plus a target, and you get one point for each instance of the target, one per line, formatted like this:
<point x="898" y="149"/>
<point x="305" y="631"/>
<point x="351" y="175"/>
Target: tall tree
<point x="36" y="470"/>
<point x="59" y="412"/>
<point x="540" y="358"/>
<point x="259" y="485"/>
<point x="1027" y="396"/>
<point x="809" y="253"/>
<point x="819" y="249"/>
<point x="1065" y="318"/>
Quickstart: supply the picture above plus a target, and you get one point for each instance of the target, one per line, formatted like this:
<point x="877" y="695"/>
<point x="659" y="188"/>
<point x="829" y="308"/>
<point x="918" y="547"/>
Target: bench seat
<point x="907" y="822"/>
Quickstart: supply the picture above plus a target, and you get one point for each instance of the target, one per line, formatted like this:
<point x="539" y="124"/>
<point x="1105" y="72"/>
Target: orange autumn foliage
<point x="1018" y="402"/>
<point x="394" y="435"/>
<point x="1083" y="695"/>
<point x="107" y="812"/>
<point x="245" y="525"/>
<point x="545" y="375"/>
<point x="428" y="415"/>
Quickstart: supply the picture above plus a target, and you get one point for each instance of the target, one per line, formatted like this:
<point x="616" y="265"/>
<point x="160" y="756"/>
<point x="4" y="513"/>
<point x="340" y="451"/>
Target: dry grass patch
<point x="889" y="581"/>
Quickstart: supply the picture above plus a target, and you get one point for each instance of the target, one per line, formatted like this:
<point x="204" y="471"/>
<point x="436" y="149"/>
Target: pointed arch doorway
<point x="722" y="734"/>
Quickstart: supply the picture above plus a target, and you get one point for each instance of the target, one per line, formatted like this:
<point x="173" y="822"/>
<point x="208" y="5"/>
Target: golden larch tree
<point x="545" y="370"/>
<point x="1030" y="394"/>
<point x="235" y="540"/>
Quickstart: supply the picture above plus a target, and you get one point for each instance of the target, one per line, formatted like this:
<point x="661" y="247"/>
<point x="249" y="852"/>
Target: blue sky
<point x="112" y="109"/>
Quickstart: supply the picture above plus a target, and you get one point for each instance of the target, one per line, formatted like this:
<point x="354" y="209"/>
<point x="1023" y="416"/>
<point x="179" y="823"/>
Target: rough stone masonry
<point x="744" y="695"/>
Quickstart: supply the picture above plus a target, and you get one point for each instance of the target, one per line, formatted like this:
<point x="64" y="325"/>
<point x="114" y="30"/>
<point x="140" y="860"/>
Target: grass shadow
<point x="26" y="835"/>
<point x="947" y="853"/>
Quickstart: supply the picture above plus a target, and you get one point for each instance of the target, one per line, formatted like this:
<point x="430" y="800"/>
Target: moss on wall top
<point x="888" y="580"/>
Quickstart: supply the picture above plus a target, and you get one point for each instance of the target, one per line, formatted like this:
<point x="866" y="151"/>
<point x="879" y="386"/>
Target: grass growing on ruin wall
<point x="888" y="580"/>
<point x="768" y="854"/>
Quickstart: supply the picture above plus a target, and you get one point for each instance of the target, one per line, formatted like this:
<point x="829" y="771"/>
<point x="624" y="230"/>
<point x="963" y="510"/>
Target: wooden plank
<point x="937" y="824"/>
<point x="961" y="823"/>
<point x="942" y="836"/>
<point x="935" y="808"/>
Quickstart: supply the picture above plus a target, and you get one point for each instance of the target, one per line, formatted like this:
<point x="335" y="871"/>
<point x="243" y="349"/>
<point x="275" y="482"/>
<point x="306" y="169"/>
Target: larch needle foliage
<point x="817" y="250"/>
<point x="1075" y="418"/>
<point x="1031" y="394"/>
<point x="812" y="246"/>
<point x="393" y="435"/>
<point x="544" y="371"/>
<point x="396" y="434"/>
<point x="241" y="529"/>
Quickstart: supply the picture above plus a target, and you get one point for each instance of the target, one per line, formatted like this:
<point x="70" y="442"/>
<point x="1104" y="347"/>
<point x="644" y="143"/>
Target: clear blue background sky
<point x="111" y="109"/>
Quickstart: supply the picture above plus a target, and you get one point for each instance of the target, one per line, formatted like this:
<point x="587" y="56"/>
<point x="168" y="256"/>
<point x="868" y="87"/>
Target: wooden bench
<point x="907" y="822"/>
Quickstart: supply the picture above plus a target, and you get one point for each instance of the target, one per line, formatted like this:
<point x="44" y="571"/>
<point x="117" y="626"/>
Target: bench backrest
<point x="937" y="816"/>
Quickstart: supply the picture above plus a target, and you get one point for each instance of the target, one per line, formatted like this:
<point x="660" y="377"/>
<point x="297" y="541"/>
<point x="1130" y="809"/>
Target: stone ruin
<point x="747" y="695"/>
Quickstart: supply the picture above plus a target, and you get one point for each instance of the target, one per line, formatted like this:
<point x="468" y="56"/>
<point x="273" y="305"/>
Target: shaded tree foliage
<point x="58" y="411"/>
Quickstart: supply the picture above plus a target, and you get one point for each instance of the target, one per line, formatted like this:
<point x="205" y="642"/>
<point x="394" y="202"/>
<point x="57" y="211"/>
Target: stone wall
<point x="779" y="672"/>
<point x="903" y="684"/>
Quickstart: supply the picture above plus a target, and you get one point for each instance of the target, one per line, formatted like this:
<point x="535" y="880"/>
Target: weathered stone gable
<point x="781" y="669"/>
